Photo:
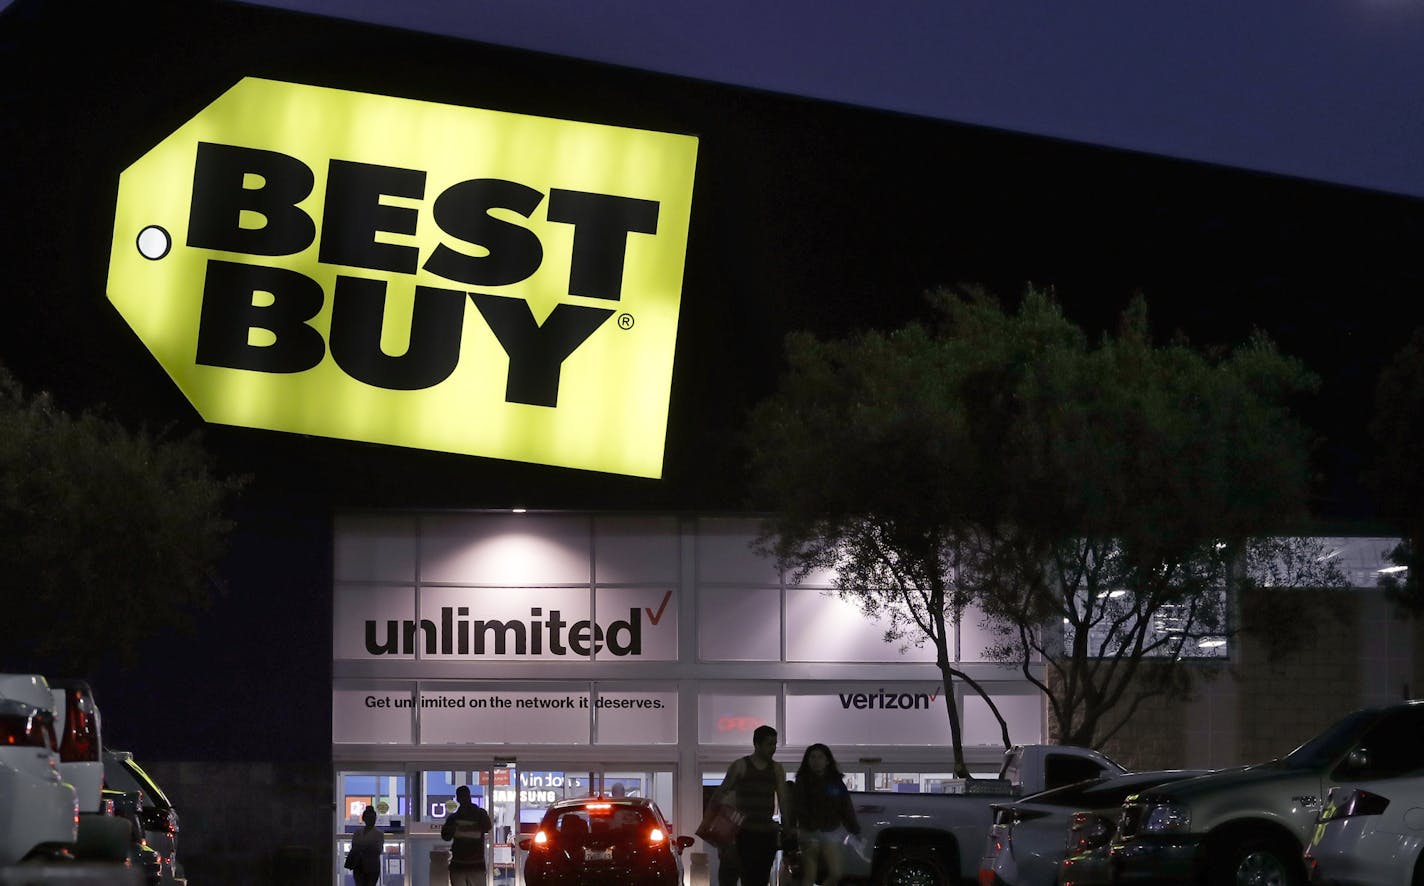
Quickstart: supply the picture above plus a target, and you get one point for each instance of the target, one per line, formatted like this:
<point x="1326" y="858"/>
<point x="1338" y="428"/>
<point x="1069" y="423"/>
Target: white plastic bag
<point x="855" y="844"/>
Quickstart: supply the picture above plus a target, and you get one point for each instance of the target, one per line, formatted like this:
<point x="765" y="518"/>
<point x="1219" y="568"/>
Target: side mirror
<point x="524" y="844"/>
<point x="686" y="842"/>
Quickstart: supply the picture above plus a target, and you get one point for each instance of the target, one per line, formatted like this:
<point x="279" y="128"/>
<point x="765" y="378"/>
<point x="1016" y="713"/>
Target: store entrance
<point x="516" y="795"/>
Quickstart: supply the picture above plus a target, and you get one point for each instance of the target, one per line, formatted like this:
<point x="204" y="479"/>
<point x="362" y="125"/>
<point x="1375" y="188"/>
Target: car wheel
<point x="1258" y="863"/>
<point x="913" y="867"/>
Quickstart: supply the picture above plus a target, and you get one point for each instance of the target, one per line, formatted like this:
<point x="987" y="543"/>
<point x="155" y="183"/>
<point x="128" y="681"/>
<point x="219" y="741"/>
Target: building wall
<point x="244" y="823"/>
<point x="1260" y="705"/>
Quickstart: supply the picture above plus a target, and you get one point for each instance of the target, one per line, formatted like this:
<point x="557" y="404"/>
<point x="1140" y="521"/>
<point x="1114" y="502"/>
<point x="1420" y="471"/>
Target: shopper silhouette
<point x="367" y="845"/>
<point x="466" y="828"/>
<point x="824" y="816"/>
<point x="758" y="785"/>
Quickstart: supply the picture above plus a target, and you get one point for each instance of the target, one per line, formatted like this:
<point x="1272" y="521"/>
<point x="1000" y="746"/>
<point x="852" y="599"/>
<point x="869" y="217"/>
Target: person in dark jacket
<point x="466" y="828"/>
<point x="367" y="845"/>
<point x="757" y="785"/>
<point x="823" y="814"/>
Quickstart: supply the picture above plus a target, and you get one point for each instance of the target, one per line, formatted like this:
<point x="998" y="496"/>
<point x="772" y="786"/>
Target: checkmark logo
<point x="656" y="617"/>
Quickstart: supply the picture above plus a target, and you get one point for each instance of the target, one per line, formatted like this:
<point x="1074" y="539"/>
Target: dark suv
<point x="154" y="810"/>
<point x="617" y="841"/>
<point x="1250" y="825"/>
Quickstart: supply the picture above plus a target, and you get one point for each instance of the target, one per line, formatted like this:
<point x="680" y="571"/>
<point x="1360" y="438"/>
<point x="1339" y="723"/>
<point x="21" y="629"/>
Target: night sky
<point x="1320" y="89"/>
<point x="806" y="215"/>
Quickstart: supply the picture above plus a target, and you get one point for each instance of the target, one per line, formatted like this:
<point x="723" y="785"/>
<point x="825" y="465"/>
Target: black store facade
<point x="514" y="619"/>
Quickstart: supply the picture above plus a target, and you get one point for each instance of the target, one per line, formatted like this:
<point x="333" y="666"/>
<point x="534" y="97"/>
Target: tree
<point x="1397" y="472"/>
<point x="998" y="459"/>
<point x="107" y="537"/>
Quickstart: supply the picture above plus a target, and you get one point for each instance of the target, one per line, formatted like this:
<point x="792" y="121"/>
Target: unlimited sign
<point x="370" y="268"/>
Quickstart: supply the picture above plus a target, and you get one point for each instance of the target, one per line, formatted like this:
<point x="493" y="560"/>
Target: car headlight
<point x="1166" y="818"/>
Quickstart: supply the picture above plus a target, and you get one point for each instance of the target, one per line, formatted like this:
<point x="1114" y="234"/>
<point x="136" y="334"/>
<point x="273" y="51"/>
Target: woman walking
<point x="823" y="816"/>
<point x="367" y="845"/>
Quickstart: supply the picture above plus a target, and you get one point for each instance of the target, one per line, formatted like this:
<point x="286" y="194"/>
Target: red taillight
<point x="25" y="730"/>
<point x="656" y="836"/>
<point x="599" y="807"/>
<point x="541" y="839"/>
<point x="81" y="727"/>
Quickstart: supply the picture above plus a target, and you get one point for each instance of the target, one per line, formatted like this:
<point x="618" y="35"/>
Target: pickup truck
<point x="1250" y="824"/>
<point x="919" y="839"/>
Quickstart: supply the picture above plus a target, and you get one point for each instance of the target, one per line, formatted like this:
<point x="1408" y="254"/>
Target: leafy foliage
<point x="1001" y="460"/>
<point x="1397" y="475"/>
<point x="108" y="537"/>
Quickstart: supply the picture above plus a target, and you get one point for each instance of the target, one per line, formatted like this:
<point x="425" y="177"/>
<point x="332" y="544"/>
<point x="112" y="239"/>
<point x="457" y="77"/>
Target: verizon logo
<point x="887" y="701"/>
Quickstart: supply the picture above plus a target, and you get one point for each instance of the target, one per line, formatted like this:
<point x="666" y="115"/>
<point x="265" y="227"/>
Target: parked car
<point x="81" y="745"/>
<point x="620" y="841"/>
<point x="78" y="726"/>
<point x="155" y="811"/>
<point x="38" y="811"/>
<point x="1087" y="860"/>
<point x="1031" y="837"/>
<point x="123" y="807"/>
<point x="937" y="839"/>
<point x="1371" y="832"/>
<point x="1251" y="824"/>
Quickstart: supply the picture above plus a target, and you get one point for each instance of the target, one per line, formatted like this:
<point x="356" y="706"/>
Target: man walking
<point x="466" y="828"/>
<point x="758" y="786"/>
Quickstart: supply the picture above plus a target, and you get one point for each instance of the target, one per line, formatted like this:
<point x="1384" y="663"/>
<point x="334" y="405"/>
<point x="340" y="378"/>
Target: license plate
<point x="598" y="855"/>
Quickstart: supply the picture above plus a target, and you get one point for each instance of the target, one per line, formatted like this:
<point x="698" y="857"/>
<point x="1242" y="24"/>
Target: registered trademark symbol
<point x="625" y="321"/>
<point x="154" y="242"/>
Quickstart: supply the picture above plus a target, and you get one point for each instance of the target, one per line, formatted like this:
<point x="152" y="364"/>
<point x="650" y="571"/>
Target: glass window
<point x="731" y="718"/>
<point x="619" y="822"/>
<point x="540" y="789"/>
<point x="1170" y="623"/>
<point x="636" y="717"/>
<point x="739" y="624"/>
<point x="438" y="791"/>
<point x="918" y="782"/>
<point x="393" y="862"/>
<point x="1390" y="749"/>
<point x="1063" y="769"/>
<point x="385" y="791"/>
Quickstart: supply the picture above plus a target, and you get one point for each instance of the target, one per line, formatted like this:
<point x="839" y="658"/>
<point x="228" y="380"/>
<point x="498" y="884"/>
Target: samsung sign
<point x="334" y="263"/>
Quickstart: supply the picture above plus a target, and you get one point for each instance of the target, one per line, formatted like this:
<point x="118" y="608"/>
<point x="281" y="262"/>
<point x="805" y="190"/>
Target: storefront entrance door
<point x="516" y="796"/>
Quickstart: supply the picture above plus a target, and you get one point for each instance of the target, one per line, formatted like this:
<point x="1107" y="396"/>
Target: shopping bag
<point x="720" y="827"/>
<point x="352" y="862"/>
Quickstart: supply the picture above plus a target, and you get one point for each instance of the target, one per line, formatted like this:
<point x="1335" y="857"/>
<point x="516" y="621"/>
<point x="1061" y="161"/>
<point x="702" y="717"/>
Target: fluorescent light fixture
<point x="1391" y="570"/>
<point x="1211" y="643"/>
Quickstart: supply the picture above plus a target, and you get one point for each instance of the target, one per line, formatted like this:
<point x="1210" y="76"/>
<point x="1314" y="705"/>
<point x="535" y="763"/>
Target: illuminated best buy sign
<point x="370" y="268"/>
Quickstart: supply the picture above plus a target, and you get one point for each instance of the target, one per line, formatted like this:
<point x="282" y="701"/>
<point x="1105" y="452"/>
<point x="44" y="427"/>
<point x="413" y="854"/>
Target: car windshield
<point x="117" y="777"/>
<point x="582" y="822"/>
<point x="151" y="790"/>
<point x="1332" y="744"/>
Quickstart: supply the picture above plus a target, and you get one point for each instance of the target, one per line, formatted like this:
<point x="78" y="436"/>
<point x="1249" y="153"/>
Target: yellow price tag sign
<point x="341" y="264"/>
